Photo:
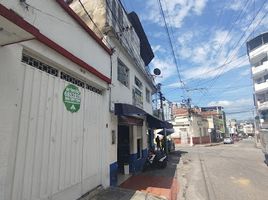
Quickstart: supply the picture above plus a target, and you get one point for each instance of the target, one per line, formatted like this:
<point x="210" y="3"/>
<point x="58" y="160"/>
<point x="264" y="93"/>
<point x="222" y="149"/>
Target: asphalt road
<point x="223" y="172"/>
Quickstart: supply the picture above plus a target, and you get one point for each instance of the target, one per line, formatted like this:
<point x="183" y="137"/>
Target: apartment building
<point x="132" y="121"/>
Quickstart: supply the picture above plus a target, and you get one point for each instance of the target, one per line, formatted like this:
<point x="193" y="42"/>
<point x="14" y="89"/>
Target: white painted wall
<point x="11" y="87"/>
<point x="57" y="25"/>
<point x="121" y="93"/>
<point x="11" y="78"/>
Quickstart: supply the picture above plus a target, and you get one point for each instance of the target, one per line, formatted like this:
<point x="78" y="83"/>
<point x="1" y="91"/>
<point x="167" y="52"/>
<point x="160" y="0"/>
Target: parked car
<point x="228" y="140"/>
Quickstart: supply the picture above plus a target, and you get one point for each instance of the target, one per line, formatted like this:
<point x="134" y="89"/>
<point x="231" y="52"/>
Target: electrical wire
<point x="89" y="16"/>
<point x="237" y="49"/>
<point x="177" y="63"/>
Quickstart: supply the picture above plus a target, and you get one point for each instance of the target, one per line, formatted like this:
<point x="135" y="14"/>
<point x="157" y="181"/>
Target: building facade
<point x="54" y="105"/>
<point x="189" y="127"/>
<point x="257" y="49"/>
<point x="131" y="115"/>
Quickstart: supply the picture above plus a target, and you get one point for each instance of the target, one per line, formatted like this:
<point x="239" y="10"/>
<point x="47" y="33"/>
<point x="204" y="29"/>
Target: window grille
<point x="39" y="65"/>
<point x="29" y="60"/>
<point x="148" y="96"/>
<point x="93" y="89"/>
<point x="123" y="73"/>
<point x="71" y="79"/>
<point x="138" y="83"/>
<point x="79" y="83"/>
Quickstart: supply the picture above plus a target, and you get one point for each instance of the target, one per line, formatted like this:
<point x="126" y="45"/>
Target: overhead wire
<point x="237" y="43"/>
<point x="177" y="63"/>
<point x="89" y="16"/>
<point x="237" y="49"/>
<point x="223" y="41"/>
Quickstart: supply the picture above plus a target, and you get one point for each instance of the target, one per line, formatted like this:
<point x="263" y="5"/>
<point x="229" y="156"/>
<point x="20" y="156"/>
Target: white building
<point x="132" y="86"/>
<point x="190" y="129"/>
<point x="54" y="83"/>
<point x="257" y="52"/>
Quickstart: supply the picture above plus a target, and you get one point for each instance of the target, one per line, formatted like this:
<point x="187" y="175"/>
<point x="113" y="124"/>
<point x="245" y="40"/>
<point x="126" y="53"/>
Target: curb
<point x="213" y="144"/>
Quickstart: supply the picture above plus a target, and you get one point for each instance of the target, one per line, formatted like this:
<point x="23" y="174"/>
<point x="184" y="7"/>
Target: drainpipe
<point x="110" y="86"/>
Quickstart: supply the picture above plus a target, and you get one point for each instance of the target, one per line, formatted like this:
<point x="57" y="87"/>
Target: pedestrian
<point x="157" y="140"/>
<point x="164" y="141"/>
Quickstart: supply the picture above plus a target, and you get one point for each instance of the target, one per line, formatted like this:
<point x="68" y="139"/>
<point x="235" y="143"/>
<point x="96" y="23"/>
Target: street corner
<point x="161" y="186"/>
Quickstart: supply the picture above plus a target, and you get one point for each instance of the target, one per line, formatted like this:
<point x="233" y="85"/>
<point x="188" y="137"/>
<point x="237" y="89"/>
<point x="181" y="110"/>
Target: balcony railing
<point x="260" y="69"/>
<point x="262" y="105"/>
<point x="261" y="87"/>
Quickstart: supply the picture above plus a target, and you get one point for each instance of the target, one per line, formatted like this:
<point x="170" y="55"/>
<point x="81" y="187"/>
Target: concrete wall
<point x="121" y="93"/>
<point x="11" y="86"/>
<point x="47" y="16"/>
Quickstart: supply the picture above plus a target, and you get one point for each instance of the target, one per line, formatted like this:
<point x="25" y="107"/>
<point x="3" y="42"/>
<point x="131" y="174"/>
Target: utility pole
<point x="163" y="116"/>
<point x="187" y="102"/>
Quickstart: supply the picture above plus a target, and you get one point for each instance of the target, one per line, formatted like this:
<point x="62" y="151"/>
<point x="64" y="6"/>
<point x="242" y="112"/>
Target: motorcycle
<point x="156" y="160"/>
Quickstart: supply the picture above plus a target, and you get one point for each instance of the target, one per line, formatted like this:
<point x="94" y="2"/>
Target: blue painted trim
<point x="113" y="174"/>
<point x="136" y="165"/>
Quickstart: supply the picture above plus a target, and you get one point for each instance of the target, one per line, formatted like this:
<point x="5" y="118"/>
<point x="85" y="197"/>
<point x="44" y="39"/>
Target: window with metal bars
<point x="39" y="65"/>
<point x="122" y="73"/>
<point x="29" y="60"/>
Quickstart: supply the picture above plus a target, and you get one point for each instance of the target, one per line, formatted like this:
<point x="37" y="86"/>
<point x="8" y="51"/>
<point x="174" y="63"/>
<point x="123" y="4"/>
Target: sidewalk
<point x="116" y="193"/>
<point x="154" y="184"/>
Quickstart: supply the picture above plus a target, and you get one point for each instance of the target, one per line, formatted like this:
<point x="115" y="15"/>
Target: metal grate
<point x="71" y="79"/>
<point x="39" y="65"/>
<point x="93" y="89"/>
<point x="79" y="83"/>
<point x="51" y="70"/>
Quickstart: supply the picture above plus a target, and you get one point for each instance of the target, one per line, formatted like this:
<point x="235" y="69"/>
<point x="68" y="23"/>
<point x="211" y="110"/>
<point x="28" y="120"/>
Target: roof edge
<point x="66" y="7"/>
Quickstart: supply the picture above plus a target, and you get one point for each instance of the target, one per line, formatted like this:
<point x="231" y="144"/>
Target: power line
<point x="220" y="73"/>
<point x="237" y="49"/>
<point x="170" y="42"/>
<point x="85" y="10"/>
<point x="218" y="52"/>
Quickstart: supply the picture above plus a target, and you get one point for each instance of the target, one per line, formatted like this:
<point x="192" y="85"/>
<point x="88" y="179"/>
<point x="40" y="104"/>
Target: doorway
<point x="123" y="147"/>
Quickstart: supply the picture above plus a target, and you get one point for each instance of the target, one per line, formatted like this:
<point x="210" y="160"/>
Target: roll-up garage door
<point x="58" y="147"/>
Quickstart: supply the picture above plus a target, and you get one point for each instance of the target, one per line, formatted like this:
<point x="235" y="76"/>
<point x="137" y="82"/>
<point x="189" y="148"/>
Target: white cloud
<point x="175" y="10"/>
<point x="174" y="85"/>
<point x="235" y="5"/>
<point x="211" y="70"/>
<point x="236" y="104"/>
<point x="158" y="48"/>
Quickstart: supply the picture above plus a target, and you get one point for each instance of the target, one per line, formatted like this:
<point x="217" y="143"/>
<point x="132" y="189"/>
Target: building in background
<point x="217" y="121"/>
<point x="257" y="49"/>
<point x="189" y="126"/>
<point x="233" y="127"/>
<point x="246" y="128"/>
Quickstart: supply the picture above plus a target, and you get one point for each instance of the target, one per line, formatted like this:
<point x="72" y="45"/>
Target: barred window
<point x="148" y="95"/>
<point x="79" y="83"/>
<point x="55" y="72"/>
<point x="39" y="65"/>
<point x="72" y="80"/>
<point x="93" y="89"/>
<point x="138" y="83"/>
<point x="123" y="73"/>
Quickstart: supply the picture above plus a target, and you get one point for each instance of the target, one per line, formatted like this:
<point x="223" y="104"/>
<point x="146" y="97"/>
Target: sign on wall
<point x="72" y="98"/>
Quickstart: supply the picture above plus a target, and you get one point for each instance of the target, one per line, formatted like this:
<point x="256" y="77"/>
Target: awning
<point x="127" y="110"/>
<point x="168" y="131"/>
<point x="156" y="123"/>
<point x="122" y="109"/>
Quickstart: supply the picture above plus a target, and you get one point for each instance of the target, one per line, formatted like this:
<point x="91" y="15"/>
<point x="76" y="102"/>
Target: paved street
<point x="223" y="172"/>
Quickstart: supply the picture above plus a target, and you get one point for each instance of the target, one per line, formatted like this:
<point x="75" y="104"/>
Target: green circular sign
<point x="72" y="98"/>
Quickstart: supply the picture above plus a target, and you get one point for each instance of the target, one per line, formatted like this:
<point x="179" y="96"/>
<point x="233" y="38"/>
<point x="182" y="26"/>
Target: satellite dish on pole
<point x="157" y="71"/>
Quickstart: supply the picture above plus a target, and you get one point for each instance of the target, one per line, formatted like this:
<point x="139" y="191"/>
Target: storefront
<point x="135" y="128"/>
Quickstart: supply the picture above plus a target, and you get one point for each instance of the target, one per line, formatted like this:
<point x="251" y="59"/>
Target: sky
<point x="209" y="42"/>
